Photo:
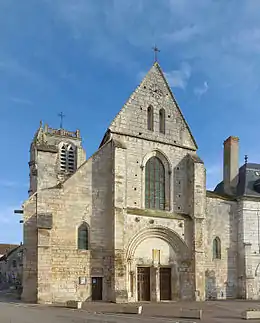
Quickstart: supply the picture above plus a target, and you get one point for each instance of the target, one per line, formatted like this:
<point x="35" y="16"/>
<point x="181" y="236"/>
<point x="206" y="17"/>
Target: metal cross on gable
<point x="61" y="115"/>
<point x="156" y="50"/>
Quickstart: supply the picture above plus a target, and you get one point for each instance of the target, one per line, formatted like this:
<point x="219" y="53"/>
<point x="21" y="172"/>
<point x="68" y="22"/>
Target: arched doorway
<point x="158" y="265"/>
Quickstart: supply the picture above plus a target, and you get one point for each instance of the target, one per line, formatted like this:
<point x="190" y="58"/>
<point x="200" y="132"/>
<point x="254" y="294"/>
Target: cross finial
<point x="246" y="159"/>
<point x="61" y="115"/>
<point x="156" y="50"/>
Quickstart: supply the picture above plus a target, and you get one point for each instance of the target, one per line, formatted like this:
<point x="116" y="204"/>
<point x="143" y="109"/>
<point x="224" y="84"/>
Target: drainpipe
<point x="258" y="222"/>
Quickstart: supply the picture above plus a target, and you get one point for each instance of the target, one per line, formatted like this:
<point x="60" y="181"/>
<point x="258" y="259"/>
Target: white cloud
<point x="201" y="90"/>
<point x="21" y="101"/>
<point x="179" y="78"/>
<point x="182" y="35"/>
<point x="176" y="78"/>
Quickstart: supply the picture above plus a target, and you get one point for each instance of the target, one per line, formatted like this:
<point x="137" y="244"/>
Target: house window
<point x="83" y="237"/>
<point x="67" y="158"/>
<point x="154" y="184"/>
<point x="14" y="263"/>
<point x="150" y="118"/>
<point x="162" y="120"/>
<point x="216" y="248"/>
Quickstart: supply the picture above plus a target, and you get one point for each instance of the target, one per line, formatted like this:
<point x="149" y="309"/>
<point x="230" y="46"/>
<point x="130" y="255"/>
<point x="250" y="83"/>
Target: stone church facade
<point x="134" y="222"/>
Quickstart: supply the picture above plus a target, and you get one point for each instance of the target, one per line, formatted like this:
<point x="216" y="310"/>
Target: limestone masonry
<point x="135" y="222"/>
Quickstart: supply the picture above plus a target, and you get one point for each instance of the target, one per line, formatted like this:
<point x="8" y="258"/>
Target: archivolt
<point x="166" y="234"/>
<point x="158" y="153"/>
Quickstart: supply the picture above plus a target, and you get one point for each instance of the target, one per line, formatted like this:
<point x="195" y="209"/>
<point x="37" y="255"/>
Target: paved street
<point x="213" y="312"/>
<point x="21" y="313"/>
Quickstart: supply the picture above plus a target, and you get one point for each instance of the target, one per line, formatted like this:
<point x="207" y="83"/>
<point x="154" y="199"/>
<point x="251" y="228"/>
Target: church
<point x="134" y="222"/>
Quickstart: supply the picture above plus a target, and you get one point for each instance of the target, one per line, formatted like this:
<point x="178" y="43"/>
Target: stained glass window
<point x="83" y="237"/>
<point x="154" y="184"/>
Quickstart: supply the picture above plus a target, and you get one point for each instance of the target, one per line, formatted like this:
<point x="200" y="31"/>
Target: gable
<point x="154" y="92"/>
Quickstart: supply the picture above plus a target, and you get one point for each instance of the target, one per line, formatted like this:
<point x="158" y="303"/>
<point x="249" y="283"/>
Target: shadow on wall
<point x="180" y="181"/>
<point x="232" y="261"/>
<point x="101" y="275"/>
<point x="221" y="283"/>
<point x="210" y="285"/>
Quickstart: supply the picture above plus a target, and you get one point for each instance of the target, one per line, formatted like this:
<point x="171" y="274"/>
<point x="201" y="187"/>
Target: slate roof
<point x="248" y="181"/>
<point x="5" y="248"/>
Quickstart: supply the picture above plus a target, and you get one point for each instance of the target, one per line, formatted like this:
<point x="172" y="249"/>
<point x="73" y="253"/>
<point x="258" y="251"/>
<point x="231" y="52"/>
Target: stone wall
<point x="11" y="268"/>
<point x="45" y="160"/>
<point x="130" y="213"/>
<point x="221" y="274"/>
<point x="137" y="146"/>
<point x="85" y="197"/>
<point x="249" y="248"/>
<point x="153" y="91"/>
<point x="30" y="250"/>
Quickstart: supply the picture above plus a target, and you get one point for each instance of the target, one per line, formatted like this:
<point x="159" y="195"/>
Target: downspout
<point x="258" y="222"/>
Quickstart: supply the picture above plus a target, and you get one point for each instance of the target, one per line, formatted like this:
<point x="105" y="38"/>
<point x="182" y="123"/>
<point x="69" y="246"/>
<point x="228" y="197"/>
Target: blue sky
<point x="85" y="57"/>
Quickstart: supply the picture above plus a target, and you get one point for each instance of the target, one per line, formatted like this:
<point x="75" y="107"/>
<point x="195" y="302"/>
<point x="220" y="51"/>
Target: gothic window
<point x="154" y="184"/>
<point x="216" y="248"/>
<point x="150" y="118"/>
<point x="67" y="158"/>
<point x="83" y="237"/>
<point x="162" y="120"/>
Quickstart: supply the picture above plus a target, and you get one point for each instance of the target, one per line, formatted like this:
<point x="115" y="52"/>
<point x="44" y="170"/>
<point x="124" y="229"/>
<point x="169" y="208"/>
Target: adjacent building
<point x="11" y="266"/>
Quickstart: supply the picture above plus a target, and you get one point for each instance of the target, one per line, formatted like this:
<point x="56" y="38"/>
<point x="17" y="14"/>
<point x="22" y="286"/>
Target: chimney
<point x="231" y="165"/>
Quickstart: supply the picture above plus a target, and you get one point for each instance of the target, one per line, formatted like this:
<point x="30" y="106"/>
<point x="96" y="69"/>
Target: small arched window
<point x="150" y="118"/>
<point x="154" y="184"/>
<point x="83" y="237"/>
<point x="162" y="120"/>
<point x="216" y="248"/>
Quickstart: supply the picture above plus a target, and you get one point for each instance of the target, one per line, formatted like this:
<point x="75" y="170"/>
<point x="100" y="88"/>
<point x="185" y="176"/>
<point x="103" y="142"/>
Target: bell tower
<point x="55" y="154"/>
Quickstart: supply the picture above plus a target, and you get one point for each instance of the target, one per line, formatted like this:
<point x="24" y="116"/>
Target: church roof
<point x="5" y="248"/>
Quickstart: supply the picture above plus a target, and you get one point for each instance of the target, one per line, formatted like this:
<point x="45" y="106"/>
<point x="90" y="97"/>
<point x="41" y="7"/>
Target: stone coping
<point x="157" y="214"/>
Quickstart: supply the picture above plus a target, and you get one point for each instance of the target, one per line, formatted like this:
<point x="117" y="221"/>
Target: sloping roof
<point x="248" y="175"/>
<point x="5" y="248"/>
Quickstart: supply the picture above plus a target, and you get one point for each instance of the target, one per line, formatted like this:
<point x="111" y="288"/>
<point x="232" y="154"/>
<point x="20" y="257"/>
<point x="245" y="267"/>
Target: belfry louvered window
<point x="67" y="158"/>
<point x="71" y="159"/>
<point x="63" y="158"/>
<point x="154" y="184"/>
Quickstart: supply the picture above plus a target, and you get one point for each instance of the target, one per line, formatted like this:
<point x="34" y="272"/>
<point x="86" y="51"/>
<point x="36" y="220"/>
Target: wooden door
<point x="165" y="284"/>
<point x="97" y="288"/>
<point x="143" y="283"/>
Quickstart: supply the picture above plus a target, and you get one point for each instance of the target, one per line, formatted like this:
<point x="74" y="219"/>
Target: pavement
<point x="14" y="311"/>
